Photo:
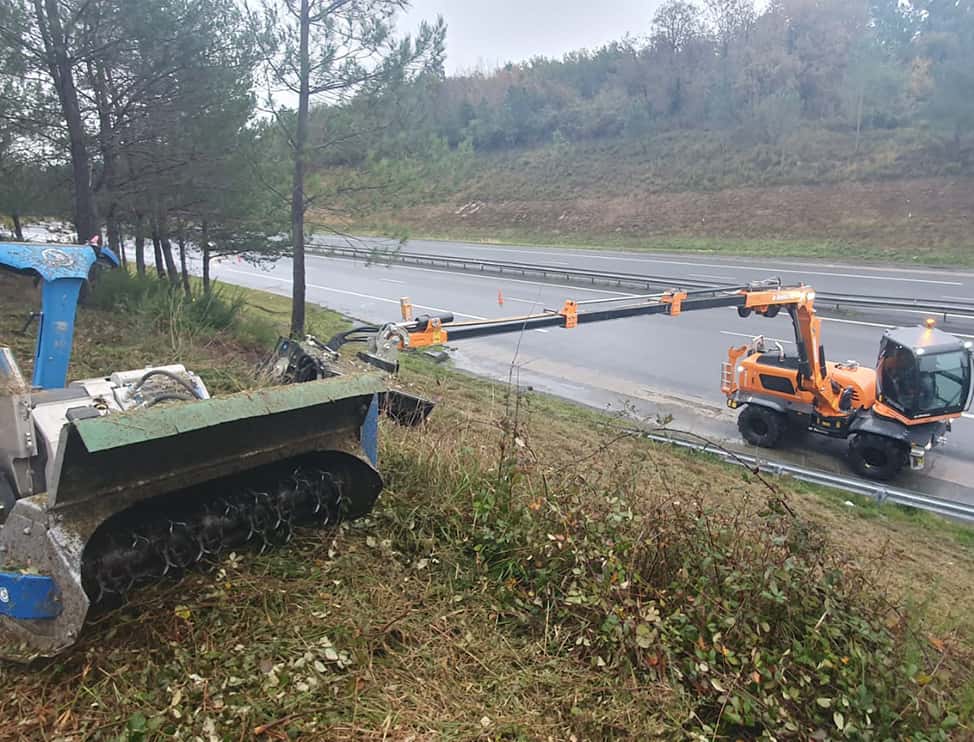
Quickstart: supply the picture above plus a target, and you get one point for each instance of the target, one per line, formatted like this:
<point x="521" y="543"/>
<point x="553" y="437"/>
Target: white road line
<point x="914" y="311"/>
<point x="878" y="324"/>
<point x="495" y="279"/>
<point x="859" y="276"/>
<point x="523" y="301"/>
<point x="745" y="335"/>
<point x="473" y="316"/>
<point x="732" y="266"/>
<point x="959" y="298"/>
<point x="390" y="280"/>
<point x="357" y="294"/>
<point x="969" y="416"/>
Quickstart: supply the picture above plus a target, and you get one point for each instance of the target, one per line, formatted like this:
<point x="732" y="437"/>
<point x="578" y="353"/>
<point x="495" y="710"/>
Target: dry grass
<point x="392" y="629"/>
<point x="899" y="197"/>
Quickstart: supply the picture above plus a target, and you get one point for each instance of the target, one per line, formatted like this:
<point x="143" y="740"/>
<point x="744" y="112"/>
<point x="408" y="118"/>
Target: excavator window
<point x="945" y="380"/>
<point x="924" y="385"/>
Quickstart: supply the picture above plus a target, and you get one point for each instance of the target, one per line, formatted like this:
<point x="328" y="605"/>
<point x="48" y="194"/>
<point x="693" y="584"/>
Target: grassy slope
<point x="398" y="627"/>
<point x="901" y="197"/>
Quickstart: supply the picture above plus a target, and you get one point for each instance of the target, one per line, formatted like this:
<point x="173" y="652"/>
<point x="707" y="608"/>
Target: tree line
<point x="185" y="122"/>
<point x="720" y="65"/>
<point x="181" y="123"/>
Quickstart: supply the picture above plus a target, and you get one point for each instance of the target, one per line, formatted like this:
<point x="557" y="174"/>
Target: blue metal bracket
<point x="63" y="268"/>
<point x="29" y="597"/>
<point x="370" y="432"/>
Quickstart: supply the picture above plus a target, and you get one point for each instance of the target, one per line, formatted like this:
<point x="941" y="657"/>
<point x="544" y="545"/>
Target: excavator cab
<point x="923" y="373"/>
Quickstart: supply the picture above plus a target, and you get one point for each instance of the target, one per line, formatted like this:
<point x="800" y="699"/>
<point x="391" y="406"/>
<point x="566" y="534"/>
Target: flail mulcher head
<point x="126" y="498"/>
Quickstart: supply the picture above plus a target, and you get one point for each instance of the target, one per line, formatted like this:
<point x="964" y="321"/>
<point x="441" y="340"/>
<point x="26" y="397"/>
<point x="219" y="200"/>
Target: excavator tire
<point x="761" y="426"/>
<point x="876" y="457"/>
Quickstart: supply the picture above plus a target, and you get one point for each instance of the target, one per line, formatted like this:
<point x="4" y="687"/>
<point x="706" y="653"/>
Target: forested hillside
<point x="716" y="65"/>
<point x="812" y="126"/>
<point x="792" y="104"/>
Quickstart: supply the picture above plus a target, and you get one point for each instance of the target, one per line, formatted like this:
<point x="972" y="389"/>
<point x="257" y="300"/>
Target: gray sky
<point x="491" y="32"/>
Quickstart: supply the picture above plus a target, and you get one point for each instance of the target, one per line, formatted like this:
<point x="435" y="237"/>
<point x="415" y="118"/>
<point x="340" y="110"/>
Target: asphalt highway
<point x="644" y="366"/>
<point x="899" y="281"/>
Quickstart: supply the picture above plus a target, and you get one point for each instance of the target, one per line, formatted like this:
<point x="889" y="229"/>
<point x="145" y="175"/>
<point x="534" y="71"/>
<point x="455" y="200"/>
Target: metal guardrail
<point x="880" y="492"/>
<point x="957" y="309"/>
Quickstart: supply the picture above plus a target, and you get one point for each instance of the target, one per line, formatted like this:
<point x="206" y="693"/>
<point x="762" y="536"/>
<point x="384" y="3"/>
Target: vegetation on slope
<point x="701" y="192"/>
<point x="531" y="572"/>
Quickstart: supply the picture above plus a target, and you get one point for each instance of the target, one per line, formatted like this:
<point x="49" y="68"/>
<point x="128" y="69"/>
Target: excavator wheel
<point x="761" y="426"/>
<point x="876" y="457"/>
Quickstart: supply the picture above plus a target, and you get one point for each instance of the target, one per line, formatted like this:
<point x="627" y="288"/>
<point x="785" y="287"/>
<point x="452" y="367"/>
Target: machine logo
<point x="57" y="258"/>
<point x="4" y="595"/>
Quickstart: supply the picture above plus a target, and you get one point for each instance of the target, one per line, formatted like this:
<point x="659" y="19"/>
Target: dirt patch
<point x="912" y="217"/>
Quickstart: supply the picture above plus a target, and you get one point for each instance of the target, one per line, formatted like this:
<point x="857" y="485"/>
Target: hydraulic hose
<point x="169" y="374"/>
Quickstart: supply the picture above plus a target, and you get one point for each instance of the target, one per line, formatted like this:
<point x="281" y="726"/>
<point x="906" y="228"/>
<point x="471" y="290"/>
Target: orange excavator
<point x="892" y="415"/>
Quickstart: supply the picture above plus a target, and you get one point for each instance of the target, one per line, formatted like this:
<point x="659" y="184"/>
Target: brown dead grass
<point x="916" y="560"/>
<point x="917" y="220"/>
<point x="249" y="650"/>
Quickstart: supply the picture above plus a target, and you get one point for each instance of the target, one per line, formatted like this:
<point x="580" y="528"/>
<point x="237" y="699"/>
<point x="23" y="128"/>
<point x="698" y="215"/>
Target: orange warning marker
<point x="500" y="298"/>
<point x="406" y="308"/>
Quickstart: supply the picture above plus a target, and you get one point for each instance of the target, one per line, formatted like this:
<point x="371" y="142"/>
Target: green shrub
<point x="160" y="306"/>
<point x="748" y="616"/>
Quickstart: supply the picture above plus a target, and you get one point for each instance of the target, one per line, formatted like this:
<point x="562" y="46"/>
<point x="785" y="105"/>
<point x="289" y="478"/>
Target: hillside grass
<point x="904" y="196"/>
<point x="531" y="572"/>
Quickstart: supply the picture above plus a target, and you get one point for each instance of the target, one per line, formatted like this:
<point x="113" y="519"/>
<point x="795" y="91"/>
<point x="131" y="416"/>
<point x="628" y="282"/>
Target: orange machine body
<point x="774" y="390"/>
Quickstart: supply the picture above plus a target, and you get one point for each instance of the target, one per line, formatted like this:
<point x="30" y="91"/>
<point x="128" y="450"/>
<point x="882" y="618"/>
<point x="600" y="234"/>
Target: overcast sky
<point x="489" y="33"/>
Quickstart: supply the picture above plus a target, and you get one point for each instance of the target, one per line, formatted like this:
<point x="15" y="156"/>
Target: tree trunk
<point x="98" y="79"/>
<point x="60" y="68"/>
<point x="114" y="234"/>
<point x="18" y="227"/>
<point x="157" y="245"/>
<point x="183" y="268"/>
<point x="140" y="244"/>
<point x="121" y="250"/>
<point x="205" y="237"/>
<point x="167" y="255"/>
<point x="297" y="191"/>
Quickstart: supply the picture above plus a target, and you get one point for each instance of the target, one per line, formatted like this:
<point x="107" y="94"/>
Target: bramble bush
<point x="746" y="613"/>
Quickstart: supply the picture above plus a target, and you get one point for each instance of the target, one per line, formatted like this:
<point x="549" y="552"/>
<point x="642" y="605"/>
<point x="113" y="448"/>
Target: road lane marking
<point x="391" y="280"/>
<point x="472" y="316"/>
<point x="744" y="335"/>
<point x="969" y="416"/>
<point x="879" y="324"/>
<point x="498" y="278"/>
<point x="959" y="298"/>
<point x="731" y="266"/>
<point x="830" y="274"/>
<point x="357" y="294"/>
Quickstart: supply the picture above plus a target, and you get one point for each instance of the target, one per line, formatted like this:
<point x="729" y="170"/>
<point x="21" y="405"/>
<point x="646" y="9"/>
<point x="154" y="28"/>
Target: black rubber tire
<point x="772" y="311"/>
<point x="876" y="457"/>
<point x="744" y="312"/>
<point x="761" y="426"/>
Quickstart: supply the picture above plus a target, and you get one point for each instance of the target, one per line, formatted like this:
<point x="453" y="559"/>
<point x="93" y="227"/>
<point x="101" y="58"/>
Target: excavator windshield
<point x="925" y="385"/>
